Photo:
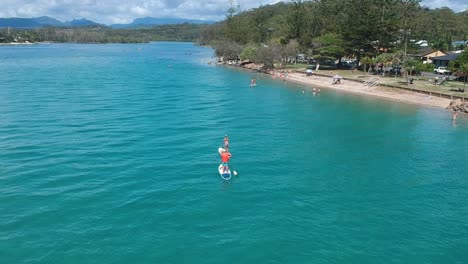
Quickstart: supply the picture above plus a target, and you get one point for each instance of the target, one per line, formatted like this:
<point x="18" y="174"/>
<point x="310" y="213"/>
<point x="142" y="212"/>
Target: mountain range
<point x="45" y="21"/>
<point x="152" y="21"/>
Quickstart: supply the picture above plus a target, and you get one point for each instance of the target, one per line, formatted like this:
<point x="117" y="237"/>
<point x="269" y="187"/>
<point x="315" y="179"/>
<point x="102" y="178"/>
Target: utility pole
<point x="405" y="36"/>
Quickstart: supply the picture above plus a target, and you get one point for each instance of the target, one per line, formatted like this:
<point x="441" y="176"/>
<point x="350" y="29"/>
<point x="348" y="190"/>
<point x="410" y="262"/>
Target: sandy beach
<point x="16" y="43"/>
<point x="359" y="88"/>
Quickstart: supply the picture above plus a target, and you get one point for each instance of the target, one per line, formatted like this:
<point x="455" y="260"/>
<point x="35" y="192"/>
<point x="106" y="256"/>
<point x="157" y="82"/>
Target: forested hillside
<point x="333" y="29"/>
<point x="98" y="34"/>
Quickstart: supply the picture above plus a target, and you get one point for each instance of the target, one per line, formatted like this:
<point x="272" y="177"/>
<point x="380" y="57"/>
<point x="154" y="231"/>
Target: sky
<point x="124" y="11"/>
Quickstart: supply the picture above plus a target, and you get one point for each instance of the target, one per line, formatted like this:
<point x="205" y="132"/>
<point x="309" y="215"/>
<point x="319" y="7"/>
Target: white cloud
<point x="139" y="11"/>
<point x="456" y="5"/>
<point x="118" y="11"/>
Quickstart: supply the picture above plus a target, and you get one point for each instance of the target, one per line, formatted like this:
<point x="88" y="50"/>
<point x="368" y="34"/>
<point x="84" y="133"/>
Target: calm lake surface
<point x="108" y="154"/>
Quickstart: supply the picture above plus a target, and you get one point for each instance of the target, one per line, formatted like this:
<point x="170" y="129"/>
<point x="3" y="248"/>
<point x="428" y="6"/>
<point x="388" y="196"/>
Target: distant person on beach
<point x="283" y="75"/>
<point x="336" y="79"/>
<point x="454" y="116"/>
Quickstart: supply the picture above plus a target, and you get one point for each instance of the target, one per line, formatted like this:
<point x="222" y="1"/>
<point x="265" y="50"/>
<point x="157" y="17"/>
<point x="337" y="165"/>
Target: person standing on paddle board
<point x="225" y="156"/>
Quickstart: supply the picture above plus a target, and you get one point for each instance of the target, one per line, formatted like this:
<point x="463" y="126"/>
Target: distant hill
<point x="81" y="23"/>
<point x="19" y="23"/>
<point x="48" y="21"/>
<point x="44" y="21"/>
<point x="153" y="21"/>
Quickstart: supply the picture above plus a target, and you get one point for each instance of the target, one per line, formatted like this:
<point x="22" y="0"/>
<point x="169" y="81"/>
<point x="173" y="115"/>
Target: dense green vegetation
<point x="460" y="66"/>
<point x="373" y="31"/>
<point x="179" y="32"/>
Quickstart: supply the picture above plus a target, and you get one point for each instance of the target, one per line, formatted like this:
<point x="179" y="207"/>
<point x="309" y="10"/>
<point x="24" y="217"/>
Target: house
<point x="426" y="54"/>
<point x="443" y="61"/>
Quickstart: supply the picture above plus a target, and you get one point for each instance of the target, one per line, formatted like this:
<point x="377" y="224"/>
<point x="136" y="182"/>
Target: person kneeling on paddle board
<point x="225" y="156"/>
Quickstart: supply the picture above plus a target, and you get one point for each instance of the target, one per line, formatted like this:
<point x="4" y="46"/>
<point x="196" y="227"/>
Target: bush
<point x="428" y="67"/>
<point x="416" y="67"/>
<point x="249" y="53"/>
<point x="228" y="50"/>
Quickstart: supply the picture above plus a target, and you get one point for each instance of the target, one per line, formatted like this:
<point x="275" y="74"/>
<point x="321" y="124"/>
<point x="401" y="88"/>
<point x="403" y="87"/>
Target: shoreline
<point x="353" y="87"/>
<point x="17" y="43"/>
<point x="358" y="88"/>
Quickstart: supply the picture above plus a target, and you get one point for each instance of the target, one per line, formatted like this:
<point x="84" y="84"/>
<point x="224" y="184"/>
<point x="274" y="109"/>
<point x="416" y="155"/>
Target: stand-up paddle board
<point x="224" y="174"/>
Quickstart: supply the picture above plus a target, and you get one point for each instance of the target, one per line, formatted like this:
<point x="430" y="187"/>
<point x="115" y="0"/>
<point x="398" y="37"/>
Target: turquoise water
<point x="108" y="154"/>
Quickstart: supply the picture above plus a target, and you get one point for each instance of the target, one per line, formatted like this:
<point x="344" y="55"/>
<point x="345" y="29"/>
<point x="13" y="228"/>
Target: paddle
<point x="233" y="170"/>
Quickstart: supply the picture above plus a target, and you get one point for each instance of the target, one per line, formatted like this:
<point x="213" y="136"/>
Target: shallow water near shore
<point x="108" y="154"/>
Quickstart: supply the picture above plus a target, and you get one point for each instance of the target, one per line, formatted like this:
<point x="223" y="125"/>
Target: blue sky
<point x="124" y="11"/>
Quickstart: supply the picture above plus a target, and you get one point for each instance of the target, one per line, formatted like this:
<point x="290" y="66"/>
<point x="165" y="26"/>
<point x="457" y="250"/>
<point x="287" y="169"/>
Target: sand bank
<point x="16" y="43"/>
<point x="360" y="88"/>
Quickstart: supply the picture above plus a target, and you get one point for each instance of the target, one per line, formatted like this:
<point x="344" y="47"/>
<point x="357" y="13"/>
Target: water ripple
<point x="110" y="155"/>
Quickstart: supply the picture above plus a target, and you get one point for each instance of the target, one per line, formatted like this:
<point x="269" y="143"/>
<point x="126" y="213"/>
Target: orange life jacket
<point x="225" y="156"/>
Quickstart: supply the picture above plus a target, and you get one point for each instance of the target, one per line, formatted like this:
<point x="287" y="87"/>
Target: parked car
<point x="329" y="64"/>
<point x="399" y="71"/>
<point x="345" y="65"/>
<point x="395" y="70"/>
<point x="414" y="72"/>
<point x="301" y="58"/>
<point x="442" y="70"/>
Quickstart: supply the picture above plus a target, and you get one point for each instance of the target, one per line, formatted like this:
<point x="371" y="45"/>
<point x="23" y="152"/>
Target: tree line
<point x="369" y="30"/>
<point x="96" y="34"/>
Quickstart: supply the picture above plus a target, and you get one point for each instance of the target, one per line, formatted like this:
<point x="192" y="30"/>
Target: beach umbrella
<point x="337" y="79"/>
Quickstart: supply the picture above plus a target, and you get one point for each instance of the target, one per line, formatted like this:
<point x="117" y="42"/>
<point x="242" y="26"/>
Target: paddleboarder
<point x="225" y="156"/>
